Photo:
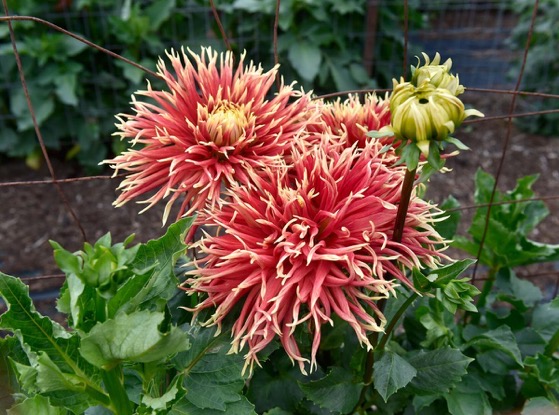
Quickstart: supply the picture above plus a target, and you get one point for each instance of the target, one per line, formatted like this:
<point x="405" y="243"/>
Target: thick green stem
<point x="407" y="188"/>
<point x="397" y="234"/>
<point x="114" y="384"/>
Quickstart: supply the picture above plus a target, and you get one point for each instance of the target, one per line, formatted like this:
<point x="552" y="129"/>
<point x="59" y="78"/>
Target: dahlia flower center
<point x="226" y="124"/>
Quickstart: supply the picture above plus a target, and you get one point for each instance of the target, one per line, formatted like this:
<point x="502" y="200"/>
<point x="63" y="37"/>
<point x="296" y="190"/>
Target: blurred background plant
<point x="542" y="65"/>
<point x="76" y="90"/>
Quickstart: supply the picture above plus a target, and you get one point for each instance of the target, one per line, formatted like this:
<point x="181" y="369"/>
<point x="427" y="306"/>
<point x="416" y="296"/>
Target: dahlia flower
<point x="307" y="241"/>
<point x="436" y="74"/>
<point x="351" y="119"/>
<point x="425" y="113"/>
<point x="214" y="122"/>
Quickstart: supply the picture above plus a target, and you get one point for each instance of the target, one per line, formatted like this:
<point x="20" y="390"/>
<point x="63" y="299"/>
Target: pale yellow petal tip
<point x="423" y="147"/>
<point x="474" y="113"/>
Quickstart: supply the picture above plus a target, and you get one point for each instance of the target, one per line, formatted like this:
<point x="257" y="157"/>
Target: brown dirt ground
<point x="31" y="215"/>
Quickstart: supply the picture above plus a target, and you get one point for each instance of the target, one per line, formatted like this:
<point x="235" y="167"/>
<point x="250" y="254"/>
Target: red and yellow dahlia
<point x="352" y="119"/>
<point x="306" y="241"/>
<point x="215" y="122"/>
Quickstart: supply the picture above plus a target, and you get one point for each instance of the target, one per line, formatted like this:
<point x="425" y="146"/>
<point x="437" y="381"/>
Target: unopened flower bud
<point x="438" y="75"/>
<point x="425" y="113"/>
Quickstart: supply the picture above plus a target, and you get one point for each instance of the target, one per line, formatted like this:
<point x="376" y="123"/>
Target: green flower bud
<point x="438" y="75"/>
<point x="425" y="113"/>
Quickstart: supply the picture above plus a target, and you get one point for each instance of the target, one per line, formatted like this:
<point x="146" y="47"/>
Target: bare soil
<point x="33" y="214"/>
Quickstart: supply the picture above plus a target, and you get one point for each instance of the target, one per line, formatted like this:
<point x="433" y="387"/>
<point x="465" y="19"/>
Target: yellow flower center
<point x="226" y="124"/>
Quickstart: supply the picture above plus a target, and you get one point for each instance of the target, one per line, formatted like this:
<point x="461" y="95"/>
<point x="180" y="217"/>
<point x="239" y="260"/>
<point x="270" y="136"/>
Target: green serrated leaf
<point x="540" y="406"/>
<point x="529" y="341"/>
<point x="420" y="402"/>
<point x="337" y="391"/>
<point x="131" y="337"/>
<point x="392" y="372"/>
<point x="519" y="292"/>
<point x="496" y="362"/>
<point x="545" y="320"/>
<point x="162" y="253"/>
<point x="447" y="228"/>
<point x="239" y="407"/>
<point x="277" y="411"/>
<point x="213" y="378"/>
<point x="438" y="323"/>
<point x="502" y="338"/>
<point x="8" y="380"/>
<point x="276" y="387"/>
<point x="443" y="275"/>
<point x="160" y="403"/>
<point x="460" y="403"/>
<point x="50" y="348"/>
<point x="438" y="370"/>
<point x="306" y="58"/>
<point x="66" y="88"/>
<point x="37" y="405"/>
<point x="506" y="243"/>
<point x="488" y="382"/>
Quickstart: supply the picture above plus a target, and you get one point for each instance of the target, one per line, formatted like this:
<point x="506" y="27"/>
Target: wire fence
<point x="474" y="33"/>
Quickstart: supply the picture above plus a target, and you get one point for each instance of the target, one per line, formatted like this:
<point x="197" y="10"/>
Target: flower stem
<point x="407" y="188"/>
<point x="392" y="324"/>
<point x="114" y="384"/>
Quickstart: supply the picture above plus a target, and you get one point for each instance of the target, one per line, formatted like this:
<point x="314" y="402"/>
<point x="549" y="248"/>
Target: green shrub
<point x="542" y="65"/>
<point x="76" y="90"/>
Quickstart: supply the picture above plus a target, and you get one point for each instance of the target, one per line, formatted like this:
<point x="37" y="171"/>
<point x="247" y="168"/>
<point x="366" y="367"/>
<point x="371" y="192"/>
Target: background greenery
<point x="542" y="64"/>
<point x="77" y="90"/>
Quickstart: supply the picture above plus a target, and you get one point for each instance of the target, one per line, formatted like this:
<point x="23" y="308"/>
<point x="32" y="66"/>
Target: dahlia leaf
<point x="501" y="338"/>
<point x="392" y="372"/>
<point x="153" y="282"/>
<point x="239" y="407"/>
<point x="545" y="320"/>
<point x="55" y="364"/>
<point x="174" y="390"/>
<point x="277" y="411"/>
<point x="519" y="292"/>
<point x="276" y="386"/>
<point x="37" y="405"/>
<point x="162" y="253"/>
<point x="506" y="243"/>
<point x="213" y="378"/>
<point x="539" y="405"/>
<point x="337" y="391"/>
<point x="438" y="370"/>
<point x="467" y="403"/>
<point x="131" y="337"/>
<point x="447" y="228"/>
<point x="305" y="58"/>
<point x="440" y="277"/>
<point x="159" y="11"/>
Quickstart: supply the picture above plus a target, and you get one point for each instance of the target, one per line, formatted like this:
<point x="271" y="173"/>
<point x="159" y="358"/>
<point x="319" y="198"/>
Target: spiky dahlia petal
<point x="307" y="241"/>
<point x="350" y="120"/>
<point x="215" y="121"/>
